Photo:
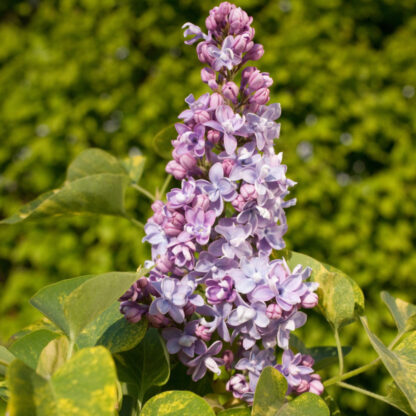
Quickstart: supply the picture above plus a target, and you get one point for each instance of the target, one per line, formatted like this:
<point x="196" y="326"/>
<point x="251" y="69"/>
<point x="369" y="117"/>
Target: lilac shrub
<point x="223" y="303"/>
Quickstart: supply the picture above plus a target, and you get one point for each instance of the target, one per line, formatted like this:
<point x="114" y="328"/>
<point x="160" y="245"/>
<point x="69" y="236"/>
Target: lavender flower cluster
<point x="221" y="300"/>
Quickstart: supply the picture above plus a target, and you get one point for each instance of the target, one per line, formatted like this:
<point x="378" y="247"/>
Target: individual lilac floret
<point x="195" y="31"/>
<point x="238" y="386"/>
<point x="219" y="291"/>
<point x="230" y="124"/>
<point x="292" y="369"/>
<point x="174" y="295"/>
<point x="202" y="103"/>
<point x="252" y="272"/>
<point x="206" y="361"/>
<point x="185" y="341"/>
<point x="218" y="188"/>
<point x="224" y="57"/>
<point x="199" y="224"/>
<point x="295" y="321"/>
<point x="263" y="126"/>
<point x="180" y="197"/>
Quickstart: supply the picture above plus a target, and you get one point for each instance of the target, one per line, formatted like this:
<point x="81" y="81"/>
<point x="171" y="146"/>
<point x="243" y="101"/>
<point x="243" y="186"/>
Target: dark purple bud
<point x="202" y="332"/>
<point x="228" y="358"/>
<point x="158" y="320"/>
<point x="189" y="309"/>
<point x="227" y="165"/>
<point x="132" y="311"/>
<point x="238" y="385"/>
<point x="216" y="100"/>
<point x="201" y="201"/>
<point x="261" y="96"/>
<point x="274" y="311"/>
<point x="254" y="54"/>
<point x="213" y="136"/>
<point x="230" y="91"/>
<point x="310" y="300"/>
<point x="307" y="361"/>
<point x="175" y="169"/>
<point x="201" y="116"/>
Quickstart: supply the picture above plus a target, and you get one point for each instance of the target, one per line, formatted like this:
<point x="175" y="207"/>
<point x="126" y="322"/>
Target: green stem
<point x="339" y="349"/>
<point x="352" y="373"/>
<point x="138" y="224"/>
<point x="165" y="185"/>
<point x="363" y="391"/>
<point x="143" y="191"/>
<point x="70" y="348"/>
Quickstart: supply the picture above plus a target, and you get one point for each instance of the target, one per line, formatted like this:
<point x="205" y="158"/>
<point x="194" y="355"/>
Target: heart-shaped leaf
<point x="404" y="313"/>
<point x="29" y="348"/>
<point x="340" y="298"/>
<point x="53" y="357"/>
<point x="84" y="386"/>
<point x="400" y="363"/>
<point x="177" y="403"/>
<point x="95" y="184"/>
<point x="144" y="366"/>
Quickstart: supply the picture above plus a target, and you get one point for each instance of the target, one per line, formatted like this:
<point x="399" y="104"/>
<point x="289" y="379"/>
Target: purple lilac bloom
<point x="214" y="289"/>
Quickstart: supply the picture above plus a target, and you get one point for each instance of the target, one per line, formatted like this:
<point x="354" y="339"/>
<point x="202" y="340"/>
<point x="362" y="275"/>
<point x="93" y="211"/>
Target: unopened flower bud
<point x="245" y="75"/>
<point x="230" y="91"/>
<point x="248" y="192"/>
<point x="164" y="264"/>
<point x="176" y="170"/>
<point x="210" y="23"/>
<point x="302" y="387"/>
<point x="207" y="74"/>
<point x="240" y="43"/>
<point x="238" y="385"/>
<point x="256" y="81"/>
<point x="201" y="116"/>
<point x="202" y="332"/>
<point x="261" y="96"/>
<point x="158" y="320"/>
<point x="238" y="203"/>
<point x="202" y="51"/>
<point x="254" y="54"/>
<point x="310" y="300"/>
<point x="201" y="201"/>
<point x="228" y="358"/>
<point x="188" y="161"/>
<point x="315" y="385"/>
<point x="307" y="361"/>
<point x="274" y="311"/>
<point x="227" y="165"/>
<point x="238" y="20"/>
<point x="215" y="100"/>
<point x="132" y="311"/>
<point x="213" y="136"/>
<point x="189" y="309"/>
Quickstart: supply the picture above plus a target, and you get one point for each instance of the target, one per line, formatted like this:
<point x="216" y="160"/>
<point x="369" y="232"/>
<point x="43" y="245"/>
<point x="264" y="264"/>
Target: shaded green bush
<point x="111" y="74"/>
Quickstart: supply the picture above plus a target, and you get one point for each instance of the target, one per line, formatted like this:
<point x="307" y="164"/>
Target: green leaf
<point x="6" y="357"/>
<point x="323" y="356"/>
<point x="397" y="399"/>
<point x="177" y="403"/>
<point x="134" y="167"/>
<point x="306" y="404"/>
<point x="162" y="142"/>
<point x="270" y="393"/>
<point x="340" y="299"/>
<point x="84" y="386"/>
<point x="28" y="348"/>
<point x="112" y="331"/>
<point x="400" y="363"/>
<point x="95" y="184"/>
<point x="146" y="365"/>
<point x="236" y="411"/>
<point x="94" y="296"/>
<point x="50" y="299"/>
<point x="402" y="312"/>
<point x="53" y="357"/>
<point x="331" y="403"/>
<point x="73" y="303"/>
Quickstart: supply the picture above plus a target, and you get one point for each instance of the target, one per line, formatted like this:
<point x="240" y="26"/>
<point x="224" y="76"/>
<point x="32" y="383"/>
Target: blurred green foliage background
<point x="112" y="73"/>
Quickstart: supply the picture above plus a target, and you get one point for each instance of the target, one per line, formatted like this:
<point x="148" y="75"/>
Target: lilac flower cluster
<point x="221" y="300"/>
